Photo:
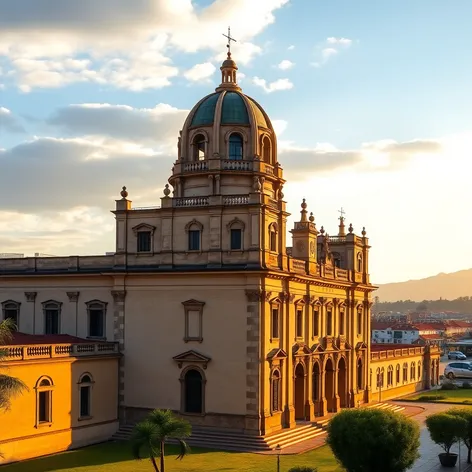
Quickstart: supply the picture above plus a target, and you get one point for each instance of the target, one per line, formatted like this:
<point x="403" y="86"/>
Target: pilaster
<point x="119" y="335"/>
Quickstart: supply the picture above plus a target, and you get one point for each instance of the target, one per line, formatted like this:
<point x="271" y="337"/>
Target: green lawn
<point x="116" y="457"/>
<point x="461" y="395"/>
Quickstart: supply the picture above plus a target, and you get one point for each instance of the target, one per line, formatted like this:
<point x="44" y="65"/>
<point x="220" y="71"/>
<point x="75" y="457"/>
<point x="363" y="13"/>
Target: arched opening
<point x="266" y="150"/>
<point x="235" y="147"/>
<point x="329" y="385"/>
<point x="359" y="262"/>
<point x="199" y="147"/>
<point x="337" y="259"/>
<point x="85" y="388"/>
<point x="273" y="237"/>
<point x="193" y="391"/>
<point x="342" y="383"/>
<point x="360" y="376"/>
<point x="299" y="392"/>
<point x="316" y="387"/>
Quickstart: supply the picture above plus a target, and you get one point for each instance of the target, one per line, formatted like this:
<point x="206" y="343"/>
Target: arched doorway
<point x="342" y="383"/>
<point x="316" y="387"/>
<point x="299" y="392"/>
<point x="360" y="371"/>
<point x="329" y="384"/>
<point x="193" y="391"/>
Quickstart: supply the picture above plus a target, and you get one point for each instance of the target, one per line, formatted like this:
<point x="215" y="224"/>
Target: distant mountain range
<point x="446" y="286"/>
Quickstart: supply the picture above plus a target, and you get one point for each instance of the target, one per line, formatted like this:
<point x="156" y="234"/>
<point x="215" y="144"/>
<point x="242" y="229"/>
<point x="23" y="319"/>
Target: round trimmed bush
<point x="373" y="440"/>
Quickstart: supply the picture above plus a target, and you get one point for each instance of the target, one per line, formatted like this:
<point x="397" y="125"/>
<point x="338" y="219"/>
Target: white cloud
<point x="285" y="64"/>
<point x="329" y="48"/>
<point x="200" y="72"/>
<point x="280" y="84"/>
<point x="279" y="126"/>
<point x="291" y="47"/>
<point x="8" y="122"/>
<point x="114" y="42"/>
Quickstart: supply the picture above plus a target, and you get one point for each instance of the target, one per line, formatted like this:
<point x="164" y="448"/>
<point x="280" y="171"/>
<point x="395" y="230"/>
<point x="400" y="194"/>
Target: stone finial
<point x="351" y="229"/>
<point x="311" y="218"/>
<point x="364" y="232"/>
<point x="322" y="230"/>
<point x="166" y="191"/>
<point x="124" y="193"/>
<point x="303" y="212"/>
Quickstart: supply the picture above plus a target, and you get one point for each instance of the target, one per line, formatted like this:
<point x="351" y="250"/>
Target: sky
<point x="371" y="101"/>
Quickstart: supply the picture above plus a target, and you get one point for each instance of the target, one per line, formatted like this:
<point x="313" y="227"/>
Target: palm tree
<point x="158" y="427"/>
<point x="9" y="386"/>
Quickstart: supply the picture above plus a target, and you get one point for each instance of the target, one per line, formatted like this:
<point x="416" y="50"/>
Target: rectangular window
<point x="144" y="241"/>
<point x="84" y="401"/>
<point x="329" y="323"/>
<point x="316" y="322"/>
<point x="236" y="239"/>
<point x="44" y="409"/>
<point x="341" y="322"/>
<point x="96" y="323"/>
<point x="275" y="323"/>
<point x="194" y="240"/>
<point x="299" y="324"/>
<point x="12" y="314"/>
<point x="193" y="324"/>
<point x="359" y="322"/>
<point x="52" y="321"/>
<point x="273" y="241"/>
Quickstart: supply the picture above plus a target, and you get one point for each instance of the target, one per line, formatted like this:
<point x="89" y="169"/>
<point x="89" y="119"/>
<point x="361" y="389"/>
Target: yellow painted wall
<point x="22" y="438"/>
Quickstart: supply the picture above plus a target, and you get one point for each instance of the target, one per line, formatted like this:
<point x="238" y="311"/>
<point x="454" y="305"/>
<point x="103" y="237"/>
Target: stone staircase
<point x="235" y="441"/>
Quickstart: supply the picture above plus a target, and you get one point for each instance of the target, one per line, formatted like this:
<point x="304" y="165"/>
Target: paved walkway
<point x="428" y="462"/>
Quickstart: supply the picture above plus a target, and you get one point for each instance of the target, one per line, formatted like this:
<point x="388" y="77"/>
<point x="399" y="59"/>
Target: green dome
<point x="234" y="110"/>
<point x="205" y="113"/>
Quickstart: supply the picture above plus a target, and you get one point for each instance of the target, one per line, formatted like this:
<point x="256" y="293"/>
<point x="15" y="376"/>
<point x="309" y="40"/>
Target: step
<point x="294" y="436"/>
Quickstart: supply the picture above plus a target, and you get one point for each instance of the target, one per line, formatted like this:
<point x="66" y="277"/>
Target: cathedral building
<point x="214" y="316"/>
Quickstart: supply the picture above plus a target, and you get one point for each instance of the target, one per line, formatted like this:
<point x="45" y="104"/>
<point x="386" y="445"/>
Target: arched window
<point x="85" y="393"/>
<point x="390" y="376"/>
<point x="194" y="231"/>
<point x="398" y="374"/>
<point x="413" y="371"/>
<point x="275" y="391"/>
<point x="419" y="370"/>
<point x="52" y="317"/>
<point x="96" y="311"/>
<point x="235" y="147"/>
<point x="337" y="259"/>
<point x="359" y="320"/>
<point x="266" y="150"/>
<point x="236" y="232"/>
<point x="193" y="391"/>
<point x="199" y="145"/>
<point x="275" y="321"/>
<point x="11" y="310"/>
<point x="359" y="262"/>
<point x="405" y="372"/>
<point x="44" y="387"/>
<point x="273" y="237"/>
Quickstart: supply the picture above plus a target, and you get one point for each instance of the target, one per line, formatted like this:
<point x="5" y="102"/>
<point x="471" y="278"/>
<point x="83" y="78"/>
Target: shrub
<point x="373" y="440"/>
<point x="430" y="398"/>
<point x="449" y="386"/>
<point x="445" y="430"/>
<point x="467" y="385"/>
<point x="466" y="414"/>
<point x="303" y="468"/>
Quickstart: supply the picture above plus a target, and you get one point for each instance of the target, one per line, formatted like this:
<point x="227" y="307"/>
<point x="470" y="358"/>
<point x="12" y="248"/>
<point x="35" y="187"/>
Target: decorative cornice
<point x="118" y="295"/>
<point x="192" y="303"/>
<point x="30" y="296"/>
<point x="73" y="296"/>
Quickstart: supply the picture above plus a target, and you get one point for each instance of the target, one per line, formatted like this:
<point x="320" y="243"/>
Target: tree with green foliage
<point x="152" y="433"/>
<point x="370" y="440"/>
<point x="303" y="468"/>
<point x="9" y="386"/>
<point x="466" y="414"/>
<point x="446" y="430"/>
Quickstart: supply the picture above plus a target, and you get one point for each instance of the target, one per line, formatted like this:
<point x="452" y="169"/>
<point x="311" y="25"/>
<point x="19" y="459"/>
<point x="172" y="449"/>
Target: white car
<point x="458" y="370"/>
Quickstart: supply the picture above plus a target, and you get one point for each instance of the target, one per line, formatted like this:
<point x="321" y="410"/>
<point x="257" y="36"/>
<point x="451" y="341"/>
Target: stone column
<point x="210" y="184"/>
<point x="309" y="405"/>
<point x="336" y="399"/>
<point x="119" y="336"/>
<point x="254" y="381"/>
<point x="217" y="184"/>
<point x="288" y="335"/>
<point x="322" y="403"/>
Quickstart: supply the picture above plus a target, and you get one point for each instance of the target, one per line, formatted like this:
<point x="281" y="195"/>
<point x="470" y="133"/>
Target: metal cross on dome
<point x="342" y="213"/>
<point x="229" y="39"/>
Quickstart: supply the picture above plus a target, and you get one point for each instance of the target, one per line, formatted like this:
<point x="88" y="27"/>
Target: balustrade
<point x="190" y="201"/>
<point x="197" y="166"/>
<point x="236" y="200"/>
<point x="236" y="165"/>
